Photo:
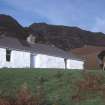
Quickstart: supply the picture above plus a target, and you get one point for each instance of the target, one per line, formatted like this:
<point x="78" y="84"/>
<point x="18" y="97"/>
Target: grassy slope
<point x="57" y="83"/>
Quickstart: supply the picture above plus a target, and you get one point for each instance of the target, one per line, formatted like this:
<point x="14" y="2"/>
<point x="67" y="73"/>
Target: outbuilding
<point x="16" y="53"/>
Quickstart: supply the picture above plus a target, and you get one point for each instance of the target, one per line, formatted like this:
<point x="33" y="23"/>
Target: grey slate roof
<point x="22" y="45"/>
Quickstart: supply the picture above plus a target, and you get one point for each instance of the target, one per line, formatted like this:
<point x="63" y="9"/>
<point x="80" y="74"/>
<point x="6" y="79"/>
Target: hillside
<point x="63" y="37"/>
<point x="10" y="27"/>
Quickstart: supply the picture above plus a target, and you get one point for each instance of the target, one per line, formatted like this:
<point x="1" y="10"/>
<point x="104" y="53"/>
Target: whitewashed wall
<point x="21" y="59"/>
<point x="45" y="61"/>
<point x="18" y="59"/>
<point x="75" y="64"/>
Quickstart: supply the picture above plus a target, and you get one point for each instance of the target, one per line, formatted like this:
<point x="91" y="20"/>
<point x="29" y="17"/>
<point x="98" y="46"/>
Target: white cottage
<point x="16" y="53"/>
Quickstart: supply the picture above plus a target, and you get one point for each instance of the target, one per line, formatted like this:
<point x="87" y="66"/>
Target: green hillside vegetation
<point x="58" y="87"/>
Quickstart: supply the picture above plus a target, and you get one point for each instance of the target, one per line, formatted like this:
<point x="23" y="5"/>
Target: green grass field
<point x="58" y="84"/>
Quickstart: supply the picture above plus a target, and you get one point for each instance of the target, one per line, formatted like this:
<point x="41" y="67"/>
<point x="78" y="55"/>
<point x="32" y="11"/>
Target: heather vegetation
<point x="51" y="87"/>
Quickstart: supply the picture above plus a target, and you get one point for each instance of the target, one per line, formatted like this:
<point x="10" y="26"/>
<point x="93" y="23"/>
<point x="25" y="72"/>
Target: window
<point x="8" y="55"/>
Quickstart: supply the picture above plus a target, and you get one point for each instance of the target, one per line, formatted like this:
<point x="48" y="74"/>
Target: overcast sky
<point x="86" y="14"/>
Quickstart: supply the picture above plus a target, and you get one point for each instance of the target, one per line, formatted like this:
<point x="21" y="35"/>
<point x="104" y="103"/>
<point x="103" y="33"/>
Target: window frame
<point x="8" y="55"/>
